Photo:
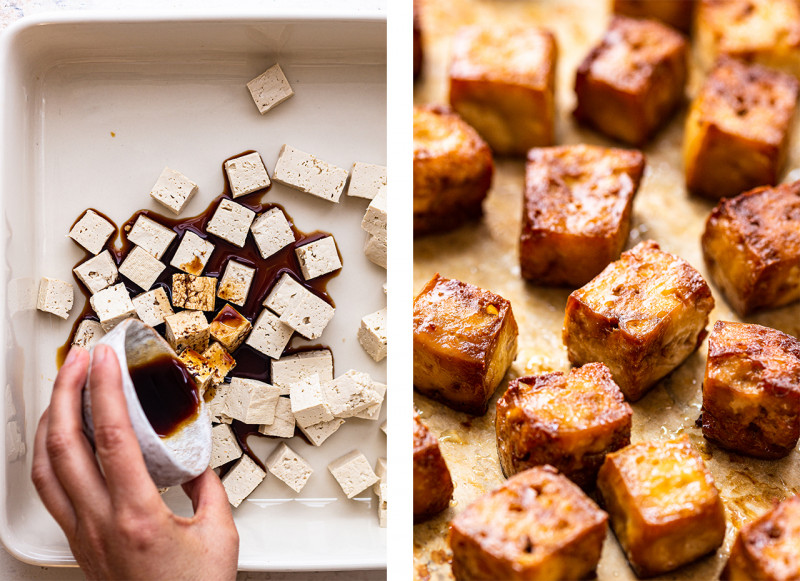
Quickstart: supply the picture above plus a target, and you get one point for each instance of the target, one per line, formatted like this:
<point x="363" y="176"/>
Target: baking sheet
<point x="485" y="254"/>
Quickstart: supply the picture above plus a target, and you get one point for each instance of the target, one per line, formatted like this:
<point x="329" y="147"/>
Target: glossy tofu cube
<point x="502" y="82"/>
<point x="751" y="246"/>
<point x="570" y="421"/>
<point x="576" y="211"/>
<point x="465" y="338"/>
<point x="537" y="525"/>
<point x="230" y="328"/>
<point x="664" y="507"/>
<point x="642" y="316"/>
<point x="453" y="170"/>
<point x="433" y="487"/>
<point x="676" y="13"/>
<point x="737" y="130"/>
<point x="751" y="390"/>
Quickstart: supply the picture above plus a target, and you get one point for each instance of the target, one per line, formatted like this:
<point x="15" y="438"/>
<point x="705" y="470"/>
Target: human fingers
<point x="208" y="496"/>
<point x="47" y="485"/>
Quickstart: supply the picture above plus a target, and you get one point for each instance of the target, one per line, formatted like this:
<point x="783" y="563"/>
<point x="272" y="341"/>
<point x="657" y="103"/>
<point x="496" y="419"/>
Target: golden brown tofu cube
<point x="751" y="390"/>
<point x="198" y="367"/>
<point x="676" y="13"/>
<point x="219" y="361"/>
<point x="230" y="328"/>
<point x="576" y="212"/>
<point x="502" y="82"/>
<point x="197" y="293"/>
<point x="767" y="549"/>
<point x="465" y="338"/>
<point x="417" y="41"/>
<point x="642" y="316"/>
<point x="751" y="247"/>
<point x="737" y="129"/>
<point x="663" y="504"/>
<point x="568" y="421"/>
<point x="433" y="487"/>
<point x="536" y="526"/>
<point x="453" y="170"/>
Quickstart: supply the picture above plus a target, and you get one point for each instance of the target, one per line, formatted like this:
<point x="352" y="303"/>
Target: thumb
<point x="208" y="496"/>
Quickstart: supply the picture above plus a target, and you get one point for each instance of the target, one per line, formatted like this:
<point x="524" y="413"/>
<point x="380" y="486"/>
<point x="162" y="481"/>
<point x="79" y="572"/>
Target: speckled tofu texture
<point x="92" y="231"/>
<point x="173" y="190"/>
<point x="252" y="402"/>
<point x="283" y="424"/>
<point x="88" y="334"/>
<point x="292" y="368"/>
<point x="151" y="236"/>
<point x="318" y="433"/>
<point x="246" y="174"/>
<point x="234" y="286"/>
<point x="366" y="180"/>
<point x="112" y="306"/>
<point x="230" y="328"/>
<point x="284" y="294"/>
<point x="308" y="316"/>
<point x="372" y="334"/>
<point x="193" y="292"/>
<point x="375" y="249"/>
<point x="224" y="447"/>
<point x="318" y="257"/>
<point x="302" y="171"/>
<point x="153" y="306"/>
<point x="309" y="404"/>
<point x="192" y="254"/>
<point x="242" y="479"/>
<point x="98" y="272"/>
<point x="272" y="231"/>
<point x="270" y="88"/>
<point x="187" y="329"/>
<point x="289" y="467"/>
<point x="269" y="335"/>
<point x="141" y="268"/>
<point x="351" y="394"/>
<point x="353" y="472"/>
<point x="198" y="366"/>
<point x="220" y="362"/>
<point x="375" y="218"/>
<point x="231" y="222"/>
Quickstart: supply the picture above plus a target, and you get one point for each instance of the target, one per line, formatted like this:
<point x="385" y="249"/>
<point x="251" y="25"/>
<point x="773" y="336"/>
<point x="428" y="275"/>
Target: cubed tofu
<point x="220" y="361"/>
<point x="242" y="479"/>
<point x="766" y="548"/>
<point x="367" y="180"/>
<point x="376" y="250"/>
<point x="87" y="335"/>
<point x="98" y="272"/>
<point x="751" y="246"/>
<point x="372" y="334"/>
<point x="192" y="254"/>
<point x="373" y="412"/>
<point x="502" y="82"/>
<point x="320" y="432"/>
<point x="216" y="400"/>
<point x="194" y="292"/>
<point x="576" y="213"/>
<point x="376" y="217"/>
<point x="224" y="447"/>
<point x="141" y="268"/>
<point x="351" y="394"/>
<point x="173" y="190"/>
<point x="92" y="231"/>
<point x="751" y="390"/>
<point x="230" y="328"/>
<point x="737" y="130"/>
<point x="151" y="236"/>
<point x="318" y="257"/>
<point x="309" y="405"/>
<point x="231" y="222"/>
<point x="289" y="467"/>
<point x="199" y="368"/>
<point x="570" y="421"/>
<point x="664" y="507"/>
<point x="153" y="306"/>
<point x="283" y="425"/>
<point x="292" y="368"/>
<point x="453" y="170"/>
<point x="187" y="329"/>
<point x="642" y="316"/>
<point x="234" y="286"/>
<point x="246" y="174"/>
<point x="303" y="171"/>
<point x="270" y="335"/>
<point x="252" y="402"/>
<point x="272" y="232"/>
<point x="353" y="472"/>
<point x="678" y="14"/>
<point x="537" y="525"/>
<point x="308" y="316"/>
<point x="270" y="89"/>
<point x="629" y="85"/>
<point x="112" y="306"/>
<point x="383" y="513"/>
<point x="433" y="487"/>
<point x="465" y="338"/>
<point x="284" y="293"/>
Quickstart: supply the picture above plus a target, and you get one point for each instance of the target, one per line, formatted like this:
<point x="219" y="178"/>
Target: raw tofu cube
<point x="198" y="367"/>
<point x="231" y="222"/>
<point x="453" y="170"/>
<point x="576" y="211"/>
<point x="380" y="472"/>
<point x="230" y="328"/>
<point x="193" y="292"/>
<point x="502" y="82"/>
<point x="269" y="335"/>
<point x="630" y="84"/>
<point x="318" y="257"/>
<point x="751" y="246"/>
<point x="677" y="14"/>
<point x="433" y="487"/>
<point x="465" y="338"/>
<point x="353" y="472"/>
<point x="153" y="306"/>
<point x="308" y="316"/>
<point x="375" y="218"/>
<point x="224" y="447"/>
<point x="537" y="525"/>
<point x="642" y="317"/>
<point x="243" y="478"/>
<point x="382" y="504"/>
<point x="372" y="334"/>
<point x="320" y="432"/>
<point x="192" y="254"/>
<point x="270" y="88"/>
<point x="376" y="251"/>
<point x="113" y="305"/>
<point x="98" y="272"/>
<point x="285" y="293"/>
<point x="737" y="130"/>
<point x="88" y="334"/>
<point x="173" y="190"/>
<point x="570" y="421"/>
<point x="252" y="402"/>
<point x="384" y="427"/>
<point x="367" y="180"/>
<point x="217" y="403"/>
<point x="663" y="504"/>
<point x="272" y="232"/>
<point x="187" y="329"/>
<point x="289" y="467"/>
<point x="283" y="424"/>
<point x="374" y="411"/>
<point x="302" y="171"/>
<point x="151" y="236"/>
<point x="220" y="362"/>
<point x="92" y="231"/>
<point x="293" y="368"/>
<point x="141" y="268"/>
<point x="751" y="390"/>
<point x="235" y="283"/>
<point x="246" y="174"/>
<point x="309" y="405"/>
<point x="350" y="394"/>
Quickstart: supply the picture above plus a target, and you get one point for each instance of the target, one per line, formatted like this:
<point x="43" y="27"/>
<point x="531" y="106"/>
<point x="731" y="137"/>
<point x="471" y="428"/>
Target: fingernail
<point x="99" y="355"/>
<point x="72" y="356"/>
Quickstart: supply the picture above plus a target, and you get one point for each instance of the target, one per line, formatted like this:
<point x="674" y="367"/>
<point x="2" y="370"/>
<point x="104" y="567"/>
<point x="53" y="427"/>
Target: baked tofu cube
<point x="751" y="390"/>
<point x="230" y="328"/>
<point x="568" y="421"/>
<point x="194" y="292"/>
<point x="576" y="212"/>
<point x="433" y="487"/>
<point x="453" y="170"/>
<point x="629" y="85"/>
<point x="676" y="13"/>
<point x="465" y="338"/>
<point x="751" y="247"/>
<point x="737" y="129"/>
<point x="642" y="316"/>
<point x="502" y="82"/>
<point x="538" y="525"/>
<point x="767" y="548"/>
<point x="663" y="504"/>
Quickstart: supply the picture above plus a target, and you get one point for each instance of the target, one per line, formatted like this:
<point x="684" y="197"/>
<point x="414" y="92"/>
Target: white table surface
<point x="12" y="10"/>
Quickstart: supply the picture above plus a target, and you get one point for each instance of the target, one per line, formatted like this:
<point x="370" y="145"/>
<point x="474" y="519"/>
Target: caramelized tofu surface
<point x="453" y="170"/>
<point x="230" y="328"/>
<point x="751" y="246"/>
<point x="536" y="526"/>
<point x="677" y="14"/>
<point x="465" y="338"/>
<point x="629" y="85"/>
<point x="664" y="507"/>
<point x="576" y="211"/>
<point x="751" y="390"/>
<point x="568" y="421"/>
<point x="767" y="549"/>
<point x="502" y="82"/>
<point x="642" y="316"/>
<point x="737" y="130"/>
<point x="433" y="487"/>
